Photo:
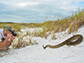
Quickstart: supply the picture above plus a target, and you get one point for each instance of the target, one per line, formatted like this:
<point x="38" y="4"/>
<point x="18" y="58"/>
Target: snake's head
<point x="43" y="46"/>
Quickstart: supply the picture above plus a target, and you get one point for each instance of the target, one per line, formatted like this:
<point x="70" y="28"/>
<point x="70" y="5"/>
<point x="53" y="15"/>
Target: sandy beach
<point x="36" y="53"/>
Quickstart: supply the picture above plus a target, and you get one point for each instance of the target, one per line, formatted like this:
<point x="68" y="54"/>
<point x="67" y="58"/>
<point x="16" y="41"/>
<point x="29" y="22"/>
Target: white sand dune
<point x="36" y="54"/>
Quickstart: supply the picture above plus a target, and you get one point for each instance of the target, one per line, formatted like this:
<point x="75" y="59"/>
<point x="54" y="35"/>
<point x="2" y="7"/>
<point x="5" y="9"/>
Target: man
<point x="7" y="36"/>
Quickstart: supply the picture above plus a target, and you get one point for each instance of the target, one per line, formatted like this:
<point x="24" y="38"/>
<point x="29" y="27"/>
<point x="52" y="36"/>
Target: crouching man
<point x="6" y="37"/>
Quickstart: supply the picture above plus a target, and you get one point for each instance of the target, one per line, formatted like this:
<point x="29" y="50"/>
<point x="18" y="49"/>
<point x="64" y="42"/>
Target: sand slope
<point x="36" y="54"/>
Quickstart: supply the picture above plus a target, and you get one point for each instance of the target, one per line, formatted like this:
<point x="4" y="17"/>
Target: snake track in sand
<point x="74" y="40"/>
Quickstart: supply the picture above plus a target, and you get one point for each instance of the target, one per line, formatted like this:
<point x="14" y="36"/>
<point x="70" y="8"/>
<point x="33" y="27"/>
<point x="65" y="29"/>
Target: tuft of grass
<point x="53" y="36"/>
<point x="20" y="42"/>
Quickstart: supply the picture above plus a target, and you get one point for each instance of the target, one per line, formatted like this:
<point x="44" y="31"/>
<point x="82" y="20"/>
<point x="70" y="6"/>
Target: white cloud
<point x="29" y="3"/>
<point x="22" y="4"/>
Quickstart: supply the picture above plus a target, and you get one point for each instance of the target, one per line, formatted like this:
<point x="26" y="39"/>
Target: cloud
<point x="28" y="3"/>
<point x="33" y="10"/>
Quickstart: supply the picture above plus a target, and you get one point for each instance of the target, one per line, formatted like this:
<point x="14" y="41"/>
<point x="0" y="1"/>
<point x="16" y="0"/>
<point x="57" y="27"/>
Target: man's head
<point x="6" y="29"/>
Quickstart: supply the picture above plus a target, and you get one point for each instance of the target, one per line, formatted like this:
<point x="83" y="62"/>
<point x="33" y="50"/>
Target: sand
<point x="36" y="54"/>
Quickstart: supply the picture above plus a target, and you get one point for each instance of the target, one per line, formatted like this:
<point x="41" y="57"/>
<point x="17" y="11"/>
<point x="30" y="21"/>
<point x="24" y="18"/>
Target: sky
<point x="32" y="11"/>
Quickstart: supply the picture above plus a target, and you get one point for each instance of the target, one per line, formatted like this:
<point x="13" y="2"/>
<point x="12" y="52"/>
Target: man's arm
<point x="9" y="42"/>
<point x="4" y="43"/>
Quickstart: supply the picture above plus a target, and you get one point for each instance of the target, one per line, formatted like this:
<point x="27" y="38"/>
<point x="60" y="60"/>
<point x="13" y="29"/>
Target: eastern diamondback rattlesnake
<point x="74" y="40"/>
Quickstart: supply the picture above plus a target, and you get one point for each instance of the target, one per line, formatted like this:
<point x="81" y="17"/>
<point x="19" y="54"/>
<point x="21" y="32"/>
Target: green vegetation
<point x="73" y="22"/>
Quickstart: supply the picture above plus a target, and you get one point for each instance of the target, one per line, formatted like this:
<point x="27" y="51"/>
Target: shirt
<point x="2" y="35"/>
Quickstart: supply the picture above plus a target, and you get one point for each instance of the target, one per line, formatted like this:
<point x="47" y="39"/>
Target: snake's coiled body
<point x="74" y="40"/>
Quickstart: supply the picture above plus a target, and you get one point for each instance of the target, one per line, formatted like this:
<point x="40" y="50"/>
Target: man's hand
<point x="9" y="35"/>
<point x="13" y="37"/>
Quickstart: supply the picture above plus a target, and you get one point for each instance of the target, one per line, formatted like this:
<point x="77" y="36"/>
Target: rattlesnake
<point x="74" y="40"/>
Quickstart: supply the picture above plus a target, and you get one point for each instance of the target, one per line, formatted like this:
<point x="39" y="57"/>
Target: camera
<point x="3" y="39"/>
<point x="12" y="32"/>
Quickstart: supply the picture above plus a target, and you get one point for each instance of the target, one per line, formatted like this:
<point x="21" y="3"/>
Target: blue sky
<point x="28" y="11"/>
